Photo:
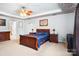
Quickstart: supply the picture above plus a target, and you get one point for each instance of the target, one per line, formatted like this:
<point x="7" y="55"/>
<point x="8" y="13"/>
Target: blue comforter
<point x="41" y="37"/>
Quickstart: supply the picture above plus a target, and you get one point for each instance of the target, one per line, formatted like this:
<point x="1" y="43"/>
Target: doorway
<point x="13" y="29"/>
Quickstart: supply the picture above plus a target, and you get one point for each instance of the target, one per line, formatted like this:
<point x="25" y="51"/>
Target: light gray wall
<point x="5" y="28"/>
<point x="63" y="24"/>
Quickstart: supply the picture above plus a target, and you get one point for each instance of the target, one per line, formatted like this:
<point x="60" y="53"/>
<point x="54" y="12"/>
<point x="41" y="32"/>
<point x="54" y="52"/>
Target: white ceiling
<point x="36" y="7"/>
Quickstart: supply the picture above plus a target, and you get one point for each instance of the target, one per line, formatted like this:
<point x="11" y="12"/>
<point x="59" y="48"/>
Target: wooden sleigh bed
<point x="31" y="40"/>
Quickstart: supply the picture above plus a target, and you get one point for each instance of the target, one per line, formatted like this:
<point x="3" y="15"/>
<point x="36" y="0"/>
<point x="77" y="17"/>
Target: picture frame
<point x="43" y="22"/>
<point x="2" y="22"/>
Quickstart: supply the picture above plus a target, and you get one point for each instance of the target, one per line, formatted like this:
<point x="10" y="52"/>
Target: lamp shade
<point x="53" y="29"/>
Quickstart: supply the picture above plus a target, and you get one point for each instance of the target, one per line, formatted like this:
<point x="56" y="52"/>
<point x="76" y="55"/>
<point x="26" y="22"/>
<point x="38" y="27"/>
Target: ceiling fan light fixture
<point x="24" y="12"/>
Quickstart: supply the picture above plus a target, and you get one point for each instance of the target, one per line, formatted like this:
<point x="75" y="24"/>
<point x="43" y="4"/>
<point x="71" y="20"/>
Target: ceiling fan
<point x="23" y="11"/>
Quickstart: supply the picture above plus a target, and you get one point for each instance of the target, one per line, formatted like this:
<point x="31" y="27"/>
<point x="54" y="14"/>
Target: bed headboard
<point x="43" y="30"/>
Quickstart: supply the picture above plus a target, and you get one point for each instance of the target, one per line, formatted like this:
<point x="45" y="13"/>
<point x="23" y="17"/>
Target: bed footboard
<point x="29" y="41"/>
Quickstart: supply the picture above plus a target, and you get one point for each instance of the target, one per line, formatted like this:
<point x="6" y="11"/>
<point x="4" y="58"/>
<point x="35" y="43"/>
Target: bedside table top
<point x="53" y="34"/>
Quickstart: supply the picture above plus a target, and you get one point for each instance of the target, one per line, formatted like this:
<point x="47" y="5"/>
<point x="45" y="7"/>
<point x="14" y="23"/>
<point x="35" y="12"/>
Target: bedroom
<point x="54" y="17"/>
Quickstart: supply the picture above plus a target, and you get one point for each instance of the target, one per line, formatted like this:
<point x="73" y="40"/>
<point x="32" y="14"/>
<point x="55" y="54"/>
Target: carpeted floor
<point x="13" y="48"/>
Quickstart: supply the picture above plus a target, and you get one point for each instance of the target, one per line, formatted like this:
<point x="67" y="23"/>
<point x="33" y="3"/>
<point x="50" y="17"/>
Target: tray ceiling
<point x="37" y="8"/>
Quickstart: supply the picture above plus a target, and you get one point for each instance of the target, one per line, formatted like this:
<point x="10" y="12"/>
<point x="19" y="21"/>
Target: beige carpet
<point x="13" y="48"/>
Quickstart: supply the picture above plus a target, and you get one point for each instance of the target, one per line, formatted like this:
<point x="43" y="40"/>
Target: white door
<point x="13" y="30"/>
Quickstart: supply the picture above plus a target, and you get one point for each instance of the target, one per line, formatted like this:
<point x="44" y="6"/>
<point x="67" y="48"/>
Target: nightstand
<point x="54" y="38"/>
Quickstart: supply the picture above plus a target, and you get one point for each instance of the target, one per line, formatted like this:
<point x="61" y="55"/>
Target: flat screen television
<point x="2" y="22"/>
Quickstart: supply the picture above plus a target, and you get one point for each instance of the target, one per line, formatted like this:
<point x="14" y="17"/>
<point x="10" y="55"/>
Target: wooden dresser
<point x="4" y="36"/>
<point x="54" y="38"/>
